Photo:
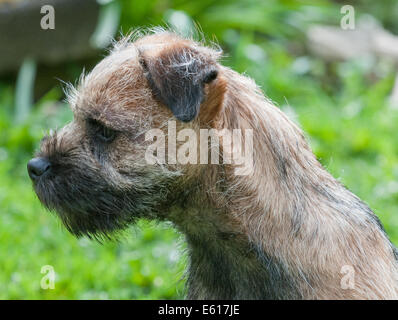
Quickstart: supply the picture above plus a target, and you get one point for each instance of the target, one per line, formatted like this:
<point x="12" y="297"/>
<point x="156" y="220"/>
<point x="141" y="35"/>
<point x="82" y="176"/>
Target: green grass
<point x="342" y="107"/>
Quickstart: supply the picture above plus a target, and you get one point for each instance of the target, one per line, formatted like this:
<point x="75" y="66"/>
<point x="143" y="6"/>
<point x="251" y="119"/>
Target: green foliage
<point x="343" y="108"/>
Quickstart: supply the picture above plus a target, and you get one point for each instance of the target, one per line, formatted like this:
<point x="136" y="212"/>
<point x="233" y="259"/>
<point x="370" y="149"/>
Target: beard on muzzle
<point x="87" y="207"/>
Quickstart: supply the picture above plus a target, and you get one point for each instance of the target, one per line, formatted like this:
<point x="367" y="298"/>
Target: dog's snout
<point x="37" y="167"/>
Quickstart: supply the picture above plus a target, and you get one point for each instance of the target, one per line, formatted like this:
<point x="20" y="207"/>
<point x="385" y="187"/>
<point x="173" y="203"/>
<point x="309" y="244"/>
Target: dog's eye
<point x="107" y="134"/>
<point x="102" y="132"/>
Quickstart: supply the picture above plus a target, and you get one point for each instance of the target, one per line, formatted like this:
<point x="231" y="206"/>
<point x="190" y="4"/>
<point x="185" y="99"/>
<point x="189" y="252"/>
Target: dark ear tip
<point x="211" y="76"/>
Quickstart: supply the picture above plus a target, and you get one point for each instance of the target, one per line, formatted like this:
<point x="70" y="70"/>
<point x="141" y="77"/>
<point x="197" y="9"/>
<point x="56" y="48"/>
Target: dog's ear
<point x="177" y="77"/>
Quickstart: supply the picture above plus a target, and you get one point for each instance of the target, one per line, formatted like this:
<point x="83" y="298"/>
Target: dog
<point x="285" y="230"/>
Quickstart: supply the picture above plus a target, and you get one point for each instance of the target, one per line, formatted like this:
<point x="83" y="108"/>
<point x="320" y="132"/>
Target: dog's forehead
<point x="111" y="71"/>
<point x="116" y="87"/>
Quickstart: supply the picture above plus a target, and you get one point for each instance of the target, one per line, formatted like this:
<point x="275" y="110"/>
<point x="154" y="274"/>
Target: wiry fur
<point x="283" y="232"/>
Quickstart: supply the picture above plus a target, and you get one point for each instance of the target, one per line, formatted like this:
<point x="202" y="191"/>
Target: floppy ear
<point x="177" y="77"/>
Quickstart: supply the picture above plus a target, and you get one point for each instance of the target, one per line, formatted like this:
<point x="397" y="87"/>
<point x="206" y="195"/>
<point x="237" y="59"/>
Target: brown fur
<point x="283" y="232"/>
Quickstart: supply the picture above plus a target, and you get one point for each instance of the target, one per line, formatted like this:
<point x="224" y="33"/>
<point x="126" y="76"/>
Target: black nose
<point x="37" y="167"/>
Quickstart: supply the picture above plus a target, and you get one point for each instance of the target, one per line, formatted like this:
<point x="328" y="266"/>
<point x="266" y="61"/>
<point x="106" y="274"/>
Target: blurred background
<point x="336" y="78"/>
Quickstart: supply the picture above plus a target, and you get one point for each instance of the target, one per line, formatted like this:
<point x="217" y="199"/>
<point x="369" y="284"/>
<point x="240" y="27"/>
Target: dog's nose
<point x="37" y="167"/>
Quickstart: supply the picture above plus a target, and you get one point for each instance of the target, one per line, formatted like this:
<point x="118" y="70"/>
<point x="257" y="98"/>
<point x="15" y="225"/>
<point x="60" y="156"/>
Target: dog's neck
<point x="282" y="232"/>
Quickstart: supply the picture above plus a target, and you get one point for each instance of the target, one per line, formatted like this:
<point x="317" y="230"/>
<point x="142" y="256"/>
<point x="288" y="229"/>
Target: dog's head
<point x="93" y="172"/>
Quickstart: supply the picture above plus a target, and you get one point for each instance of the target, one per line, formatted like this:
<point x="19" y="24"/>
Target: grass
<point x="343" y="108"/>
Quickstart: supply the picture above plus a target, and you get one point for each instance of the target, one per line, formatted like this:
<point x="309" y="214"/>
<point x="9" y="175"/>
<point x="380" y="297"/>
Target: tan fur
<point x="326" y="240"/>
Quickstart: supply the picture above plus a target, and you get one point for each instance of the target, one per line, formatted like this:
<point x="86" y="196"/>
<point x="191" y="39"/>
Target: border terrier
<point x="287" y="230"/>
